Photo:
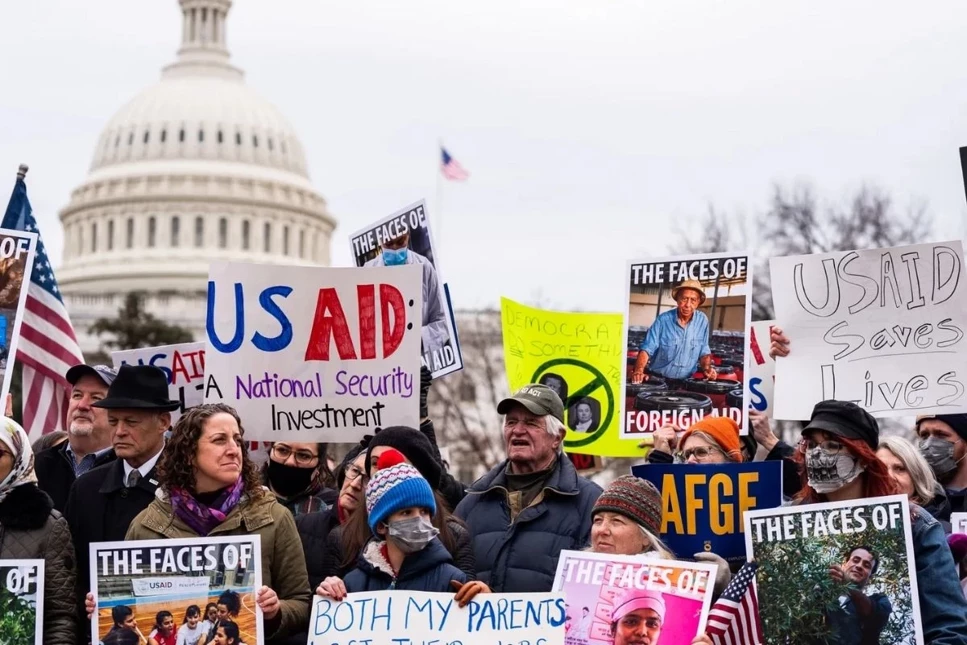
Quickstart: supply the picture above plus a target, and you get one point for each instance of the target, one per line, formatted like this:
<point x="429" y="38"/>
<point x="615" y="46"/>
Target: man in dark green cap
<point x="533" y="505"/>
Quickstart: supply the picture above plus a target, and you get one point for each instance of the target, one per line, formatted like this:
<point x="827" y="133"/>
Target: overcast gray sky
<point x="590" y="128"/>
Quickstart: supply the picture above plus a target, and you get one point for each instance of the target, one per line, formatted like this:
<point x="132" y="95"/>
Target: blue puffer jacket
<point x="428" y="570"/>
<point x="521" y="556"/>
<point x="942" y="605"/>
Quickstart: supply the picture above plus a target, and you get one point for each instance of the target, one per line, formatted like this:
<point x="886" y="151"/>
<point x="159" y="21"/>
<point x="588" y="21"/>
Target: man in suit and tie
<point x="105" y="499"/>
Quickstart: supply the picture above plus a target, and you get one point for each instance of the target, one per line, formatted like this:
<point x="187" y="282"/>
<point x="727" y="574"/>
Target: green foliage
<point x="17" y="619"/>
<point x="135" y="328"/>
<point x="795" y="589"/>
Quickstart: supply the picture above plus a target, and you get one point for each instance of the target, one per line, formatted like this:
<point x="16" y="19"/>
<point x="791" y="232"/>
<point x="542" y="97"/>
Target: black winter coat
<point x="55" y="472"/>
<point x="463" y="557"/>
<point x="31" y="529"/>
<point x="428" y="570"/>
<point x="100" y="509"/>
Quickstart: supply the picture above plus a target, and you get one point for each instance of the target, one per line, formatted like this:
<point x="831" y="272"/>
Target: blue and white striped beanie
<point x="395" y="488"/>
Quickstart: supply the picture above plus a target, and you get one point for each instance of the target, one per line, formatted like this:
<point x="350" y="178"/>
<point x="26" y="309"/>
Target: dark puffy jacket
<point x="463" y="558"/>
<point x="521" y="556"/>
<point x="31" y="529"/>
<point x="428" y="570"/>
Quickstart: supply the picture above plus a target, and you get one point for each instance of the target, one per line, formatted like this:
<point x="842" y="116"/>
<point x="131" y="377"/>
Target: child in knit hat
<point x="405" y="554"/>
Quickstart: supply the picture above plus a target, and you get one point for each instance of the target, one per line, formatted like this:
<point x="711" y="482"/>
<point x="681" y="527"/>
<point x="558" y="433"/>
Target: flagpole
<point x="439" y="194"/>
<point x="22" y="171"/>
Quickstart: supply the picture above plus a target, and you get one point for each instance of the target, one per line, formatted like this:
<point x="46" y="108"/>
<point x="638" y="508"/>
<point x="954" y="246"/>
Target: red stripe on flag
<point x="49" y="316"/>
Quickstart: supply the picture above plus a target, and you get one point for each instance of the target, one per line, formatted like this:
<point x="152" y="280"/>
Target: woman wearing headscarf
<point x="31" y="529"/>
<point x="913" y="477"/>
<point x="208" y="486"/>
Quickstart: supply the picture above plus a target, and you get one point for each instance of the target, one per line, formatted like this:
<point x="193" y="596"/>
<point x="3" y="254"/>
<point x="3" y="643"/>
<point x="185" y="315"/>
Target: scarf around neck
<point x="14" y="440"/>
<point x="203" y="518"/>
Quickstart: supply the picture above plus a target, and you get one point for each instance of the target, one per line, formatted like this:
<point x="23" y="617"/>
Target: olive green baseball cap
<point x="538" y="399"/>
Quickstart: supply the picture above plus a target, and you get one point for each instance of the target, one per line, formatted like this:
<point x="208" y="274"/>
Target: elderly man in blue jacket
<point x="533" y="505"/>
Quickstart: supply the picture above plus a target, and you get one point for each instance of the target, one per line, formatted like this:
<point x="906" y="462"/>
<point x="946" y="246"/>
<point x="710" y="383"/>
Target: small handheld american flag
<point x="450" y="167"/>
<point x="734" y="618"/>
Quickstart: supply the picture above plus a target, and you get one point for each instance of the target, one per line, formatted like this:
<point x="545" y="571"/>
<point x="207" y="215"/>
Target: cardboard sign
<point x="703" y="504"/>
<point x="419" y="618"/>
<point x="580" y="356"/>
<point x="314" y="354"/>
<point x="685" y="337"/>
<point x="22" y="600"/>
<point x="183" y="364"/>
<point x="598" y="586"/>
<point x="883" y="328"/>
<point x="762" y="368"/>
<point x="372" y="246"/>
<point x="148" y="576"/>
<point x="17" y="249"/>
<point x="815" y="559"/>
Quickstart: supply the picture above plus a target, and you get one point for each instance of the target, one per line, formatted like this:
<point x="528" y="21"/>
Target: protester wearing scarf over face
<point x="30" y="528"/>
<point x="208" y="486"/>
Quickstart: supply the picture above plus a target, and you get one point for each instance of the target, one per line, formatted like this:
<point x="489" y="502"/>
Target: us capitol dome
<point x="198" y="167"/>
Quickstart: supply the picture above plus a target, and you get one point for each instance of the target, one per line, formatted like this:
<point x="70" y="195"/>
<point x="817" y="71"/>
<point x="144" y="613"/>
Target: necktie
<point x="133" y="478"/>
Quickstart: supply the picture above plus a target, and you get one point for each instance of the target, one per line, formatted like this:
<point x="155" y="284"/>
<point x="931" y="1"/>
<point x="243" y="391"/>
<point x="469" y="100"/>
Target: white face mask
<point x="826" y="473"/>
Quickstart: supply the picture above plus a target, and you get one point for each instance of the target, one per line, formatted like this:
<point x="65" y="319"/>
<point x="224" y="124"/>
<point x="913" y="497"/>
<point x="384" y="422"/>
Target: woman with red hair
<point x="839" y="462"/>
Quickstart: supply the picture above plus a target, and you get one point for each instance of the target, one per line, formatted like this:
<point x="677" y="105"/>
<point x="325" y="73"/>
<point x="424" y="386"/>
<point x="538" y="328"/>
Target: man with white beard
<point x="88" y="434"/>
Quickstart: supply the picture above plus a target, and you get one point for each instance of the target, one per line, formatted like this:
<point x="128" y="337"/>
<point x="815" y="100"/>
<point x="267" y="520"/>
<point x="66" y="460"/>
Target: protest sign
<point x="703" y="504"/>
<point x="146" y="577"/>
<point x="183" y="364"/>
<point x="817" y="562"/>
<point x="580" y="356"/>
<point x="882" y="328"/>
<point x="958" y="522"/>
<point x="22" y="602"/>
<point x="762" y="368"/>
<point x="17" y="250"/>
<point x="419" y="618"/>
<point x="311" y="353"/>
<point x="404" y="238"/>
<point x="686" y="316"/>
<point x="610" y="596"/>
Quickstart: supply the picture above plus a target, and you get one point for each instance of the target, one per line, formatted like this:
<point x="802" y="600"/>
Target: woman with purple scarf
<point x="208" y="486"/>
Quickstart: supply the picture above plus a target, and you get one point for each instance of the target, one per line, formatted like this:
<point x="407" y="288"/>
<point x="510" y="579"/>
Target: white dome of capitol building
<point x="196" y="168"/>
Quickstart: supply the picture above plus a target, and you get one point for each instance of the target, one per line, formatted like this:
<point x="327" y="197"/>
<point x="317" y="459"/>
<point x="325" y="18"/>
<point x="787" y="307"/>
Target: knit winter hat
<point x="723" y="430"/>
<point x="414" y="445"/>
<point x="394" y="486"/>
<point x="636" y="499"/>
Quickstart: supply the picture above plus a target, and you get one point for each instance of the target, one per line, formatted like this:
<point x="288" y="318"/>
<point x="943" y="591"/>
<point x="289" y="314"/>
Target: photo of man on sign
<point x="677" y="344"/>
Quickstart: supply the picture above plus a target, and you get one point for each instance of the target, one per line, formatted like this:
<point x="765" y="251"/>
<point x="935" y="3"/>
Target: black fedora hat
<point x="138" y="387"/>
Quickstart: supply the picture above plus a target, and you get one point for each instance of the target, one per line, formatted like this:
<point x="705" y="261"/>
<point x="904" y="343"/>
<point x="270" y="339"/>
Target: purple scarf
<point x="203" y="519"/>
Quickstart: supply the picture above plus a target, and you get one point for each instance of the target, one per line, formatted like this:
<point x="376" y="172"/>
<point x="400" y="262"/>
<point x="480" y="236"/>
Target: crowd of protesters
<point x="391" y="516"/>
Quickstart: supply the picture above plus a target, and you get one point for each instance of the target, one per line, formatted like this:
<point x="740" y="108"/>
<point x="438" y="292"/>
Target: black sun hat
<point x="138" y="387"/>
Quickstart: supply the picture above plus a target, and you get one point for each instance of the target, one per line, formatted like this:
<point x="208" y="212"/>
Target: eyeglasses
<point x="302" y="457"/>
<point x="831" y="446"/>
<point x="701" y="453"/>
<point x="633" y="622"/>
<point x="353" y="473"/>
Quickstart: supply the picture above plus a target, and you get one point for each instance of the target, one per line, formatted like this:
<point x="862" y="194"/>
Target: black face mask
<point x="288" y="481"/>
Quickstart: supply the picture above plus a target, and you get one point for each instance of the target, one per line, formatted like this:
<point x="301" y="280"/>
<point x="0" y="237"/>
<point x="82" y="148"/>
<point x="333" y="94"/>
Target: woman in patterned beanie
<point x="405" y="552"/>
<point x="626" y="519"/>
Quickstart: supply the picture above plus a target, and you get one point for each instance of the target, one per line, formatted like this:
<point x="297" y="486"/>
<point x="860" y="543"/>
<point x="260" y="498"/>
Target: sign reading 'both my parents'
<point x="312" y="353"/>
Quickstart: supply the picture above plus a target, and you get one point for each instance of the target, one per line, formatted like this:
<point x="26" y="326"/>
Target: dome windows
<point x="131" y="138"/>
<point x="220" y="137"/>
<point x="285" y="240"/>
<point x="255" y="141"/>
<point x="267" y="237"/>
<point x="238" y="138"/>
<point x="117" y="141"/>
<point x="175" y="231"/>
<point x="199" y="232"/>
<point x="152" y="231"/>
<point x="246" y="226"/>
<point x="181" y="135"/>
<point x="222" y="233"/>
<point x="270" y="144"/>
<point x="129" y="233"/>
<point x="147" y="135"/>
<point x="201" y="135"/>
<point x="93" y="237"/>
<point x="110" y="235"/>
<point x="302" y="243"/>
<point x="164" y="135"/>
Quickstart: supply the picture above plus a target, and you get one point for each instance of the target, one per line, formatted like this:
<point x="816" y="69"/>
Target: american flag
<point x="734" y="618"/>
<point x="47" y="347"/>
<point x="451" y="168"/>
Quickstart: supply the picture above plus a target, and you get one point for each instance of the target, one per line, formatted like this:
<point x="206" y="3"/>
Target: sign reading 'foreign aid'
<point x="314" y="354"/>
<point x="882" y="328"/>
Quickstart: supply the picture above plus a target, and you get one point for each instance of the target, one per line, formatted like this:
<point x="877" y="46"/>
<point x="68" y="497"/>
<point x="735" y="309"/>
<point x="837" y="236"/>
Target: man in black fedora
<point x="105" y="499"/>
